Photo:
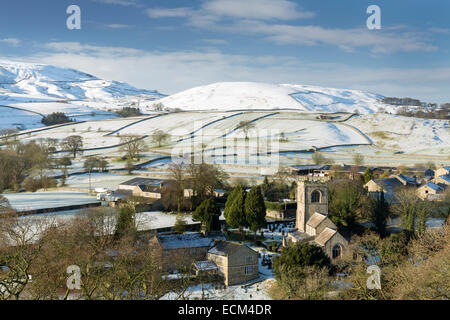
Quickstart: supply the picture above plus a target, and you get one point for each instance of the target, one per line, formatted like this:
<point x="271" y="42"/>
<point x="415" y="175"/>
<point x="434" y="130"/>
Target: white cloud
<point x="118" y="26"/>
<point x="346" y="39"/>
<point x="170" y="72"/>
<point x="257" y="9"/>
<point x="169" y="13"/>
<point x="11" y="41"/>
<point x="262" y="18"/>
<point x="215" y="41"/>
<point x="126" y="3"/>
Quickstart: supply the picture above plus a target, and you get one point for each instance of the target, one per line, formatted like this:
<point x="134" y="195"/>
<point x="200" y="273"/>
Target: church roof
<point x="325" y="236"/>
<point x="316" y="219"/>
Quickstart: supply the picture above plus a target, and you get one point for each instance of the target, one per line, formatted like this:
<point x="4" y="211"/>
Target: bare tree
<point x="6" y="134"/>
<point x="132" y="146"/>
<point x="159" y="137"/>
<point x="177" y="174"/>
<point x="73" y="144"/>
<point x="358" y="159"/>
<point x="245" y="126"/>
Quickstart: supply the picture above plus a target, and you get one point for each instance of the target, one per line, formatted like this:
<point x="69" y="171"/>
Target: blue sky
<point x="172" y="45"/>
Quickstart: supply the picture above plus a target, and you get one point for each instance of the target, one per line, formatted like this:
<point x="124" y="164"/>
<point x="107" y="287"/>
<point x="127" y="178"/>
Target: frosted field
<point x="411" y="135"/>
<point x="108" y="181"/>
<point x="263" y="96"/>
<point x="10" y="118"/>
<point x="43" y="200"/>
<point x="419" y="140"/>
<point x="46" y="89"/>
<point x="303" y="134"/>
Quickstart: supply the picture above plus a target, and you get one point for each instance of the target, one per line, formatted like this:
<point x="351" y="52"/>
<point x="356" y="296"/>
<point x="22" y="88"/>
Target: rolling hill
<point x="227" y="96"/>
<point x="29" y="91"/>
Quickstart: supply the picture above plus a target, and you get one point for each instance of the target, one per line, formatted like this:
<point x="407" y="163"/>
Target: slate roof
<point x="142" y="182"/>
<point x="310" y="167"/>
<point x="434" y="186"/>
<point x="187" y="240"/>
<point x="205" y="265"/>
<point x="406" y="179"/>
<point x="445" y="177"/>
<point x="388" y="183"/>
<point x="224" y="248"/>
<point x="300" y="236"/>
<point x="326" y="235"/>
<point x="316" y="219"/>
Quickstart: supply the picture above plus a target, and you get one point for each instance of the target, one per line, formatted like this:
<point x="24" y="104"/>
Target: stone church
<point x="312" y="222"/>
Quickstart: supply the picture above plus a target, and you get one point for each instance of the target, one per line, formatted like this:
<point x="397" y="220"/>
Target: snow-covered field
<point x="211" y="116"/>
<point x="43" y="200"/>
<point x="411" y="135"/>
<point x="225" y="96"/>
<point x="45" y="89"/>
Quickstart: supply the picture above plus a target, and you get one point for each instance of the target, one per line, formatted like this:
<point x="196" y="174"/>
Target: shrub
<point x="129" y="112"/>
<point x="55" y="118"/>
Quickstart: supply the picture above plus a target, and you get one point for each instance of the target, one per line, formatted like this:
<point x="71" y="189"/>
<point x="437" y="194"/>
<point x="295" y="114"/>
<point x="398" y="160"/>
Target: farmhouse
<point x="430" y="191"/>
<point x="237" y="263"/>
<point x="442" y="176"/>
<point x="311" y="170"/>
<point x="390" y="185"/>
<point x="143" y="187"/>
<point x="312" y="222"/>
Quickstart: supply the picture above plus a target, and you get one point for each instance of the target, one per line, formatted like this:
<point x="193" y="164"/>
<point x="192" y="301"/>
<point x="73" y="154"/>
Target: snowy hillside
<point x="34" y="90"/>
<point x="227" y="96"/>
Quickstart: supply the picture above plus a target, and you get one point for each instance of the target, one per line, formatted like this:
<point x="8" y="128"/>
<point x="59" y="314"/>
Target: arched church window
<point x="315" y="196"/>
<point x="337" y="251"/>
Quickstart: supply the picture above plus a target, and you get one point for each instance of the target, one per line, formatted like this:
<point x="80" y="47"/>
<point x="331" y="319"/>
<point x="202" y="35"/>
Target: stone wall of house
<point x="372" y="186"/>
<point x="233" y="267"/>
<point x="237" y="263"/>
<point x="441" y="172"/>
<point x="172" y="259"/>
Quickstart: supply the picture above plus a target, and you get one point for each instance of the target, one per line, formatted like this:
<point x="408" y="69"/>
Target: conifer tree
<point x="255" y="210"/>
<point x="126" y="223"/>
<point x="235" y="211"/>
<point x="380" y="213"/>
<point x="368" y="175"/>
<point x="208" y="213"/>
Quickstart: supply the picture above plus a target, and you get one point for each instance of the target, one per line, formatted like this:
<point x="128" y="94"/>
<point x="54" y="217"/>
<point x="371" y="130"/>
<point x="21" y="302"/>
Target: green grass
<point x="380" y="134"/>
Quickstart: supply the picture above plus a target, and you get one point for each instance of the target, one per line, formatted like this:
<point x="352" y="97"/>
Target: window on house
<point x="315" y="196"/>
<point x="248" y="269"/>
<point x="337" y="251"/>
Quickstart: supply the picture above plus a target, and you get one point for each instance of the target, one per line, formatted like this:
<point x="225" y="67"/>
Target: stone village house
<point x="207" y="254"/>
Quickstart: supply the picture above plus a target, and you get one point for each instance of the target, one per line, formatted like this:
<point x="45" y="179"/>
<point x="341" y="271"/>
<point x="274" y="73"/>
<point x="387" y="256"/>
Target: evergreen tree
<point x="255" y="210"/>
<point x="208" y="213"/>
<point x="380" y="213"/>
<point x="126" y="223"/>
<point x="230" y="200"/>
<point x="236" y="210"/>
<point x="180" y="224"/>
<point x="368" y="175"/>
<point x="300" y="255"/>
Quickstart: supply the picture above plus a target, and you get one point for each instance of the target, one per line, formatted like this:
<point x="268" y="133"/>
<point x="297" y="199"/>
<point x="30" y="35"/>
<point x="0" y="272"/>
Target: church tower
<point x="312" y="196"/>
